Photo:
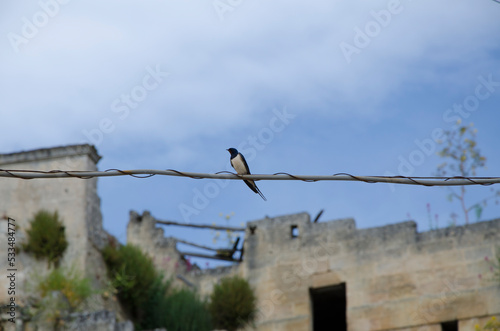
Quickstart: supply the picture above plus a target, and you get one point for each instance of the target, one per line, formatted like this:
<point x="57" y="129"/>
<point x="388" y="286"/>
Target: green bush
<point x="175" y="309"/>
<point x="148" y="297"/>
<point x="74" y="287"/>
<point x="46" y="237"/>
<point x="233" y="303"/>
<point x="154" y="315"/>
<point x="493" y="324"/>
<point x="61" y="292"/>
<point x="132" y="274"/>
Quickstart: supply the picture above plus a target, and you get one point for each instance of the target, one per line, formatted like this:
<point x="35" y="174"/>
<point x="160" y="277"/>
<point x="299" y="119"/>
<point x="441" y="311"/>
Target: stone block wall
<point x="143" y="232"/>
<point x="395" y="277"/>
<point x="75" y="200"/>
<point x="96" y="321"/>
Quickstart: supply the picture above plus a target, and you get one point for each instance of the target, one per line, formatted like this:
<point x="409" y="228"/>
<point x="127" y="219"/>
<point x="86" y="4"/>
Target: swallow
<point x="239" y="164"/>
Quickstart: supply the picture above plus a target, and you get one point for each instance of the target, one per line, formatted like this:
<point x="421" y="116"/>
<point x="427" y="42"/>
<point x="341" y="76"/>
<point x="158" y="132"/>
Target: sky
<point x="310" y="88"/>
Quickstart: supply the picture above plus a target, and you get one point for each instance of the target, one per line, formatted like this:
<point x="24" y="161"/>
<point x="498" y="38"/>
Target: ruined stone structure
<point x="75" y="200"/>
<point x="330" y="273"/>
<point x="305" y="274"/>
<point x="103" y="320"/>
<point x="143" y="232"/>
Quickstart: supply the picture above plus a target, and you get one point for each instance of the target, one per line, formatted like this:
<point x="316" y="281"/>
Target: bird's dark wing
<point x="246" y="165"/>
<point x="254" y="188"/>
<point x="251" y="184"/>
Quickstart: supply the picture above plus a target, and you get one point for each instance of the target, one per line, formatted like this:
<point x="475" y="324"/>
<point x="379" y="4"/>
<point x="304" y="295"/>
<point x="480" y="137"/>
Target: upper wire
<point x="146" y="173"/>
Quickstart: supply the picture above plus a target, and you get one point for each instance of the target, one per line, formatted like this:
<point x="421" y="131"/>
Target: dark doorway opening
<point x="329" y="306"/>
<point x="449" y="326"/>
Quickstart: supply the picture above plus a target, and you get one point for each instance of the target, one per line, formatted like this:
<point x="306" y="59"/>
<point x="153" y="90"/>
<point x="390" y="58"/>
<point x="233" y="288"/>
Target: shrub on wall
<point x="150" y="300"/>
<point x="175" y="309"/>
<point x="132" y="274"/>
<point x="46" y="237"/>
<point x="233" y="303"/>
<point x="59" y="294"/>
<point x="74" y="287"/>
<point x="493" y="324"/>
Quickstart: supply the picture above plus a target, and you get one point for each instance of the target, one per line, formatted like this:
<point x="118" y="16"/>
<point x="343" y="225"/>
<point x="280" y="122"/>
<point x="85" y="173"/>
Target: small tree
<point x="463" y="158"/>
<point x="46" y="237"/>
<point x="232" y="303"/>
<point x="152" y="300"/>
<point x="176" y="309"/>
<point x="132" y="273"/>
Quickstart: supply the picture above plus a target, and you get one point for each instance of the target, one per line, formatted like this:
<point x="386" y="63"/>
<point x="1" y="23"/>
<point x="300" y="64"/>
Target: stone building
<point x="333" y="276"/>
<point x="77" y="204"/>
<point x="306" y="275"/>
<point x="143" y="232"/>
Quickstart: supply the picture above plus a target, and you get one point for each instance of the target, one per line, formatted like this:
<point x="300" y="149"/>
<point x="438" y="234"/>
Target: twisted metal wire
<point x="146" y="173"/>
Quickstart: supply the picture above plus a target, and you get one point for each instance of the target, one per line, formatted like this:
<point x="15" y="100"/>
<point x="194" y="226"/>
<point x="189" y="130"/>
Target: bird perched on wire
<point x="239" y="164"/>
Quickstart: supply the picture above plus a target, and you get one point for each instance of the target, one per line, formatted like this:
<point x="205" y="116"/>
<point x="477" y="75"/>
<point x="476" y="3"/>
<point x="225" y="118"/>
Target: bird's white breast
<point x="239" y="165"/>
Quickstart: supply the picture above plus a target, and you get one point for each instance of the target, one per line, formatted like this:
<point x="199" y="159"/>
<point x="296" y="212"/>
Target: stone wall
<point x="395" y="278"/>
<point x="75" y="200"/>
<point x="96" y="321"/>
<point x="143" y="232"/>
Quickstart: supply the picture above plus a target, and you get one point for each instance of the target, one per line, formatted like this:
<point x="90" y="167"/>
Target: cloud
<point x="227" y="74"/>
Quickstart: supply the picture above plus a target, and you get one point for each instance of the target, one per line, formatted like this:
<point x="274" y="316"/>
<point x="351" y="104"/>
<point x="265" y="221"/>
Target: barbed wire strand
<point x="146" y="173"/>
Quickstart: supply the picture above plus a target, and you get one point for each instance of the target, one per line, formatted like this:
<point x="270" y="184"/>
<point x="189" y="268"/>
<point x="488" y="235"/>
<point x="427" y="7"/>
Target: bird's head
<point x="233" y="151"/>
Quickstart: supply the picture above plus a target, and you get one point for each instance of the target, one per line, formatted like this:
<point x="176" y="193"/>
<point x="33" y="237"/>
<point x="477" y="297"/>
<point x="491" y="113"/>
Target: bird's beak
<point x="227" y="149"/>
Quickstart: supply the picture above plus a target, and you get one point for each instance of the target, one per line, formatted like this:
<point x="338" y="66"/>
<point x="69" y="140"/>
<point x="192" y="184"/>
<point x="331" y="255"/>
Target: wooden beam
<point x="196" y="245"/>
<point x="242" y="252"/>
<point x="202" y="226"/>
<point x="318" y="216"/>
<point x="205" y="256"/>
<point x="187" y="282"/>
<point x="235" y="246"/>
<point x="209" y="248"/>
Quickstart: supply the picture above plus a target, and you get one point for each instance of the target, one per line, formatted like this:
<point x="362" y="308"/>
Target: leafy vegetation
<point x="150" y="299"/>
<point x="494" y="269"/>
<point x="233" y="303"/>
<point x="463" y="158"/>
<point x="74" y="287"/>
<point x="132" y="273"/>
<point x="46" y="237"/>
<point x="154" y="317"/>
<point x="175" y="309"/>
<point x="493" y="324"/>
<point x="57" y="294"/>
